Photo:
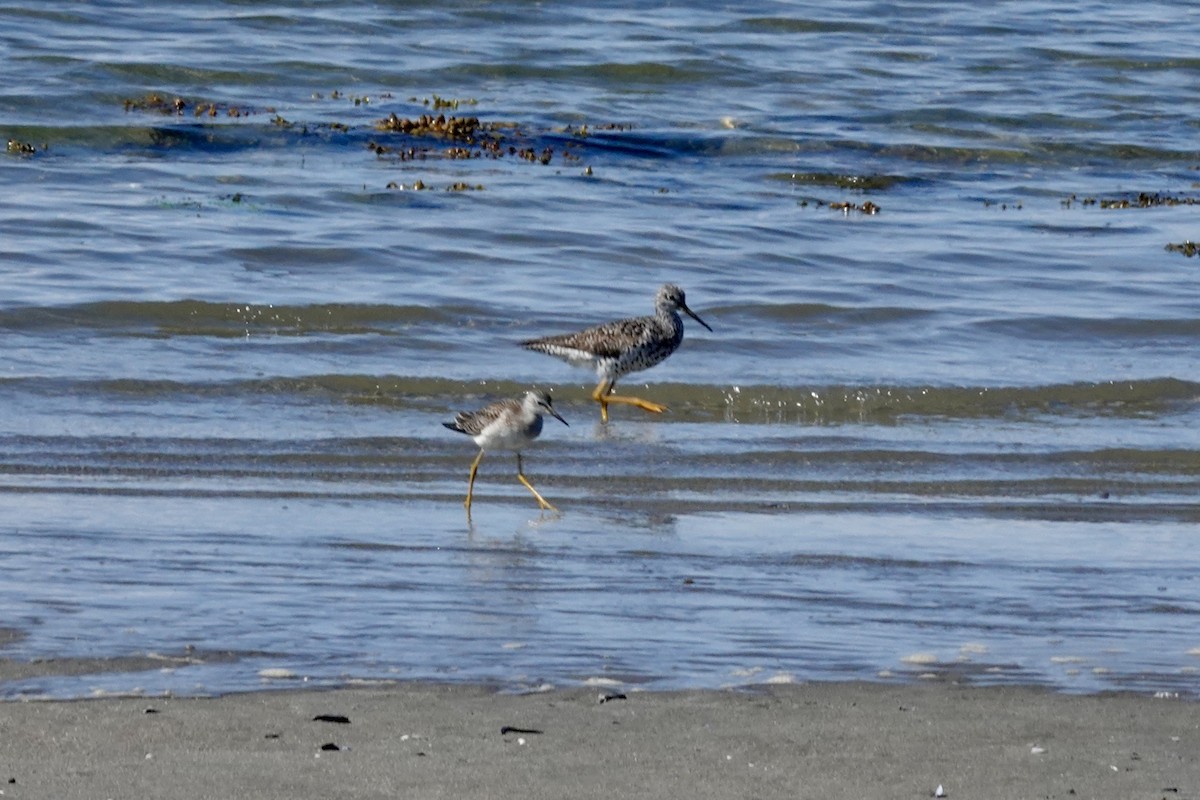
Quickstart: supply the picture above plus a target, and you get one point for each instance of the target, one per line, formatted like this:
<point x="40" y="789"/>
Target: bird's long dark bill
<point x="693" y="315"/>
<point x="555" y="414"/>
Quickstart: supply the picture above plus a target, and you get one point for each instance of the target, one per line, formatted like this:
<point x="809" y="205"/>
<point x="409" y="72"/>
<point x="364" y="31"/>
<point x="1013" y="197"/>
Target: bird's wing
<point x="472" y="423"/>
<point x="609" y="340"/>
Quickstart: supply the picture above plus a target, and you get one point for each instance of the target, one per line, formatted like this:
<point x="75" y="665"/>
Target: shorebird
<point x="627" y="345"/>
<point x="506" y="425"/>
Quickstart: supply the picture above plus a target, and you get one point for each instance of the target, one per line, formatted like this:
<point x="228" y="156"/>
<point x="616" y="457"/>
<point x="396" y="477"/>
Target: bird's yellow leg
<point x="603" y="395"/>
<point x="542" y="503"/>
<point x="471" y="481"/>
<point x="600" y="395"/>
<point x="645" y="405"/>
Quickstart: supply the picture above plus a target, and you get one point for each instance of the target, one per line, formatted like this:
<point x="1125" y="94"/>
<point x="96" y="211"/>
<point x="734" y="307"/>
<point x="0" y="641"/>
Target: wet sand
<point x="829" y="740"/>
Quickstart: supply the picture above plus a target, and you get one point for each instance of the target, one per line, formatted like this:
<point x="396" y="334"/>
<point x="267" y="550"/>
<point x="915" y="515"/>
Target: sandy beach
<point x="825" y="740"/>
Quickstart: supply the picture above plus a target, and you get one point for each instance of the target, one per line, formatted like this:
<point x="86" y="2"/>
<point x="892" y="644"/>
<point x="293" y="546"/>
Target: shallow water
<point x="955" y="437"/>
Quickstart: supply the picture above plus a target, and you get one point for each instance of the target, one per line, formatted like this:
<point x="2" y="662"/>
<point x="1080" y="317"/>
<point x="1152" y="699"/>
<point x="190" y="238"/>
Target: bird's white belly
<point x="579" y="358"/>
<point x="499" y="437"/>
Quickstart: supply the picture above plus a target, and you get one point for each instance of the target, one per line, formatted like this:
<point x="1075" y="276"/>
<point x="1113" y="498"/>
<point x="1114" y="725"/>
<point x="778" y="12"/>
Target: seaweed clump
<point x="156" y="103"/>
<point x="1140" y="200"/>
<point x="459" y="129"/>
<point x="469" y="138"/>
<point x="421" y="186"/>
<point x="869" y="208"/>
<point x="21" y="148"/>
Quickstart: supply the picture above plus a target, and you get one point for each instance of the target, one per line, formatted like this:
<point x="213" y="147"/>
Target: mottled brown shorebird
<point x="506" y="425"/>
<point x="628" y="345"/>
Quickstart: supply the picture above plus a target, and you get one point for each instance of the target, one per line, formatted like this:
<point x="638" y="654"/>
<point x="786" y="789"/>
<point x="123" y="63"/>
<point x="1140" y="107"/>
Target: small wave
<point x="750" y="404"/>
<point x="201" y="318"/>
<point x="796" y="312"/>
<point x="794" y="25"/>
<point x="837" y="180"/>
<point x="1110" y="328"/>
<point x="1078" y="58"/>
<point x="841" y="404"/>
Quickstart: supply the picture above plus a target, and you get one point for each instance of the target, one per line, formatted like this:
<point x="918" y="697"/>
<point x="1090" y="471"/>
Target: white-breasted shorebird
<point x="627" y="345"/>
<point x="506" y="425"/>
